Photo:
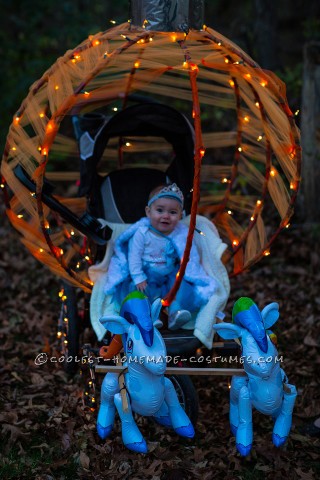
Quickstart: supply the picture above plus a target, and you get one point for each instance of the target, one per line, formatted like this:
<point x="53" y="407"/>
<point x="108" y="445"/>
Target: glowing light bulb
<point x="229" y="212"/>
<point x="272" y="173"/>
<point x="224" y="180"/>
<point x="252" y="218"/>
<point x="226" y="60"/>
<point x="259" y="138"/>
<point x="231" y="82"/>
<point x="115" y="109"/>
<point x="259" y="202"/>
<point x="257" y="104"/>
<point x="136" y="64"/>
<point x="246" y="118"/>
<point x="128" y="144"/>
<point x="263" y="83"/>
<point x="239" y="149"/>
<point x="20" y="215"/>
<point x="266" y="253"/>
<point x="235" y="243"/>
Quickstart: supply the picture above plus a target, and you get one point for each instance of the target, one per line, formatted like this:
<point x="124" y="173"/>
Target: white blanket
<point x="210" y="248"/>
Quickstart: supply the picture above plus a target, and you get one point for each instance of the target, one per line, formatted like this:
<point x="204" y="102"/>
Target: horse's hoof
<point x="187" y="431"/>
<point x="244" y="450"/>
<point x="165" y="421"/>
<point x="103" y="432"/>
<point x="140" y="447"/>
<point x="233" y="429"/>
<point x="277" y="440"/>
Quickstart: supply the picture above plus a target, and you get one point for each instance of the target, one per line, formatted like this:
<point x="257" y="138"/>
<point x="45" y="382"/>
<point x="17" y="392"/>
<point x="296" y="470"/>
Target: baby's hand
<point x="142" y="286"/>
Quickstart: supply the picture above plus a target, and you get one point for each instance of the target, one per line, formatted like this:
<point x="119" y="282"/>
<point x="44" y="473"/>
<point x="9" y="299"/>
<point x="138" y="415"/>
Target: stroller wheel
<point x="187" y="396"/>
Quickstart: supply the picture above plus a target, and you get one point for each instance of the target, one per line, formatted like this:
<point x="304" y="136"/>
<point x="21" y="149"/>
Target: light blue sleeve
<point x="135" y="253"/>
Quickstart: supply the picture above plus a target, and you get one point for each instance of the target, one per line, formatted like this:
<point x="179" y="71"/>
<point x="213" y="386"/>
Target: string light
<point x="297" y="112"/>
<point x="20" y="215"/>
<point x="2" y="185"/>
<point x="226" y="60"/>
<point x="136" y="64"/>
<point x="235" y="243"/>
<point x="113" y="22"/>
<point x="257" y="104"/>
<point x="246" y="119"/>
<point x="263" y="83"/>
<point x="56" y="87"/>
<point x="231" y="82"/>
<point x="128" y="144"/>
<point x="252" y="218"/>
<point x="239" y="149"/>
<point x="259" y="138"/>
<point x="266" y="253"/>
<point x="272" y="173"/>
<point x="259" y="202"/>
<point x="115" y="109"/>
<point x="224" y="180"/>
<point x="230" y="212"/>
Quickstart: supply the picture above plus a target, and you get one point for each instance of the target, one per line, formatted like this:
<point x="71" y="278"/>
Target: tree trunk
<point x="310" y="132"/>
<point x="265" y="34"/>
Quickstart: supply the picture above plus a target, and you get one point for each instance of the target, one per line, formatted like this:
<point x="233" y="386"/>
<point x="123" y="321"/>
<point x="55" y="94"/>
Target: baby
<point x="154" y="247"/>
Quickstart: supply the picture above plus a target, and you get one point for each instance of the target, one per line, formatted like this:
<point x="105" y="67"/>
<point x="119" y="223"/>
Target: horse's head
<point x="250" y="327"/>
<point x="142" y="342"/>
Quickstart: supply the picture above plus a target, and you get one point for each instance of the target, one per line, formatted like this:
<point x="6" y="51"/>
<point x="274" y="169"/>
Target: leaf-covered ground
<point x="46" y="433"/>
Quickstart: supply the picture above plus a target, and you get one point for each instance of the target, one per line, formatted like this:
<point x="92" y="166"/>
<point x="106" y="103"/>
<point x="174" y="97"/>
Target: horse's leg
<point x="107" y="409"/>
<point x="131" y="435"/>
<point x="244" y="431"/>
<point x="283" y="421"/>
<point x="179" y="419"/>
<point x="163" y="416"/>
<point x="236" y="384"/>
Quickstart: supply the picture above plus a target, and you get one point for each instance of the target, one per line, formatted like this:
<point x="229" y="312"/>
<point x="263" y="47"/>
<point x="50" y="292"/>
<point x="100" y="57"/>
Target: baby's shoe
<point x="178" y="319"/>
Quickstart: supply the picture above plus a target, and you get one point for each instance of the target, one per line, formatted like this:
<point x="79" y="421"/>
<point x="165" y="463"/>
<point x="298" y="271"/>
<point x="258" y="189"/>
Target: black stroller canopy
<point x="141" y="120"/>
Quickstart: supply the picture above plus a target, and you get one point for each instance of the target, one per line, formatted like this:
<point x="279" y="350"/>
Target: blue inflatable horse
<point x="148" y="392"/>
<point x="265" y="386"/>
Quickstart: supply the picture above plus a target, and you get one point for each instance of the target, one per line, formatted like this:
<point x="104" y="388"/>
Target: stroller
<point x="117" y="200"/>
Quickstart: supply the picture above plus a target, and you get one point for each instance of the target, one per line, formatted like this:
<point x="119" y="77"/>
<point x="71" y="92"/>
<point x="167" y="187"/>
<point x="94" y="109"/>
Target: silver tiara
<point x="171" y="191"/>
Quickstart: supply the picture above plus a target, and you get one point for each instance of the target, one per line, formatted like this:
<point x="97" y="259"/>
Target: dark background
<point x="46" y="434"/>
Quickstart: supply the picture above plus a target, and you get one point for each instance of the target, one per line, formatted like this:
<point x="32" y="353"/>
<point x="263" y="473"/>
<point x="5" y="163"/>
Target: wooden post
<point x="310" y="132"/>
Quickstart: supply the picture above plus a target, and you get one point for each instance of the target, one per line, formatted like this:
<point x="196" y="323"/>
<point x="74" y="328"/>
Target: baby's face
<point x="164" y="214"/>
